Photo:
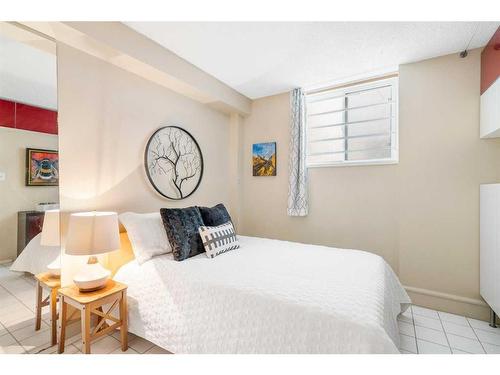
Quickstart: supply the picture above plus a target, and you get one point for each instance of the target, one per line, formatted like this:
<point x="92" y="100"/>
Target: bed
<point x="269" y="296"/>
<point x="35" y="257"/>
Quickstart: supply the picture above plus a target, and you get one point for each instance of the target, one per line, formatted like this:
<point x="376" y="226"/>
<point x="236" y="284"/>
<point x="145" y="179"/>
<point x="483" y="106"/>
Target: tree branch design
<point x="174" y="154"/>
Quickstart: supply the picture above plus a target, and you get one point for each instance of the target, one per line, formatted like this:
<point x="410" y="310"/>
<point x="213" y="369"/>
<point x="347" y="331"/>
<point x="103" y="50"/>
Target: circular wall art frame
<point x="173" y="162"/>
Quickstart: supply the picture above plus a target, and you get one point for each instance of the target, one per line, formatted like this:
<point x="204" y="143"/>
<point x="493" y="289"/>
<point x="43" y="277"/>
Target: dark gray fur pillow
<point x="181" y="225"/>
<point x="214" y="216"/>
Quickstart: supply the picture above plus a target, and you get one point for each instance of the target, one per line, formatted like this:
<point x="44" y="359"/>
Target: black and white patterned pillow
<point x="219" y="239"/>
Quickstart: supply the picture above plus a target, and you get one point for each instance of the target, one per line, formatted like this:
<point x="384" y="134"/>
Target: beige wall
<point x="14" y="195"/>
<point x="421" y="215"/>
<point x="106" y="116"/>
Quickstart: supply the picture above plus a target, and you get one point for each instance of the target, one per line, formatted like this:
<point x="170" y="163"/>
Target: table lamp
<point x="92" y="234"/>
<point x="51" y="237"/>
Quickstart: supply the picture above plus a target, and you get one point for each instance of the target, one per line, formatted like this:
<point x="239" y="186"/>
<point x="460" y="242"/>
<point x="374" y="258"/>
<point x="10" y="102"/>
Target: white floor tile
<point x="427" y="322"/>
<point x="6" y="276"/>
<point x="18" y="319"/>
<point x="429" y="334"/>
<point x="458" y="351"/>
<point x="157" y="350"/>
<point x="68" y="349"/>
<point x="6" y="297"/>
<point x="407" y="343"/>
<point x="139" y="344"/>
<point x="3" y="331"/>
<point x="28" y="331"/>
<point x="488" y="337"/>
<point x="49" y="350"/>
<point x="485" y="326"/>
<point x="20" y="322"/>
<point x="72" y="349"/>
<point x="11" y="306"/>
<point x="460" y="330"/>
<point x="75" y="340"/>
<point x="424" y="311"/>
<point x="129" y="351"/>
<point x="426" y="347"/>
<point x="6" y="279"/>
<point x="73" y="329"/>
<point x="491" y="349"/>
<point x="8" y="304"/>
<point x="40" y="340"/>
<point x="17" y="285"/>
<point x="9" y="345"/>
<point x="465" y="344"/>
<point x="105" y="345"/>
<point x="452" y="318"/>
<point x="406" y="328"/>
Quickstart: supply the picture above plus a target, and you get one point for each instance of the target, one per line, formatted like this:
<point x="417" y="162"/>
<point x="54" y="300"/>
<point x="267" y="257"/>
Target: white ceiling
<point x="265" y="58"/>
<point x="27" y="74"/>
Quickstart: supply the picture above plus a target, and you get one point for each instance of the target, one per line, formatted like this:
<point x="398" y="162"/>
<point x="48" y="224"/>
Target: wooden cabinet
<point x="29" y="224"/>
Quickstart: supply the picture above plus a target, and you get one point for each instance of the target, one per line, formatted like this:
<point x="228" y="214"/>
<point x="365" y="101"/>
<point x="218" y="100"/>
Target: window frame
<point x="344" y="90"/>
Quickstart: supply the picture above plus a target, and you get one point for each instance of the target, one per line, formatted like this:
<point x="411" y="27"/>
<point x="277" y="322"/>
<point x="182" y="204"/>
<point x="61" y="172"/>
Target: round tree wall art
<point x="173" y="162"/>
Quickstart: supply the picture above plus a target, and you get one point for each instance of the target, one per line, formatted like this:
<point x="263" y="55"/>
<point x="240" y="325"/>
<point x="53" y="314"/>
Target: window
<point x="356" y="124"/>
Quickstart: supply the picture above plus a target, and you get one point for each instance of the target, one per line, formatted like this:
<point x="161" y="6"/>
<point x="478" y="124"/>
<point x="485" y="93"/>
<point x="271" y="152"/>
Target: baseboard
<point x="452" y="303"/>
<point x="5" y="261"/>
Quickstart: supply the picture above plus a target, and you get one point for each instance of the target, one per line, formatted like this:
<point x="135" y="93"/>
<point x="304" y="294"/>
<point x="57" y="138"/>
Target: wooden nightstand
<point x="52" y="284"/>
<point x="91" y="303"/>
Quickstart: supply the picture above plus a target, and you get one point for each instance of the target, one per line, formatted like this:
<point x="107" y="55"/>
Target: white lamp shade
<point x="92" y="233"/>
<point x="50" y="229"/>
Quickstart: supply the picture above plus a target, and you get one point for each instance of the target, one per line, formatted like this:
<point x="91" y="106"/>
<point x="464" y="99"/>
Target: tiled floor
<point x="17" y="324"/>
<point x="422" y="331"/>
<point x="426" y="331"/>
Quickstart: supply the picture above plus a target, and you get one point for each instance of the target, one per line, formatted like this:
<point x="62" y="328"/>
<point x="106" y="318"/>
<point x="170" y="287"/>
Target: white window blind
<point x="355" y="124"/>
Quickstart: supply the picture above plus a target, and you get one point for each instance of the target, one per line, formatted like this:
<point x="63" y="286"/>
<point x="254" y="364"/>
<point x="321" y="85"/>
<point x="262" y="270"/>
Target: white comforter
<point x="35" y="257"/>
<point x="267" y="297"/>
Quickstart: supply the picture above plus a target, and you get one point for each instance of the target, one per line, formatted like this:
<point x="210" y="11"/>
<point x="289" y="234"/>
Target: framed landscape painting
<point x="264" y="159"/>
<point x="42" y="167"/>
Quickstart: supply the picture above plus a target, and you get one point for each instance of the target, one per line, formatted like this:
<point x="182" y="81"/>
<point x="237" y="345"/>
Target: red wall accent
<point x="7" y="114"/>
<point x="36" y="119"/>
<point x="27" y="117"/>
<point x="490" y="61"/>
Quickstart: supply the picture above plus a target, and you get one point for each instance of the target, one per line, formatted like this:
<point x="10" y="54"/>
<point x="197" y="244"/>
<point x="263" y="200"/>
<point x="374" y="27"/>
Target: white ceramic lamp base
<point x="92" y="276"/>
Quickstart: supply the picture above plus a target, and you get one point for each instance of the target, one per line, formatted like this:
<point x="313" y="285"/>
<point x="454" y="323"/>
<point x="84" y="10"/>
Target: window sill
<point x="354" y="163"/>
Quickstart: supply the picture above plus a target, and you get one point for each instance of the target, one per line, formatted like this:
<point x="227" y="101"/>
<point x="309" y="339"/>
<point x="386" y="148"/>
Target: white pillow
<point x="147" y="235"/>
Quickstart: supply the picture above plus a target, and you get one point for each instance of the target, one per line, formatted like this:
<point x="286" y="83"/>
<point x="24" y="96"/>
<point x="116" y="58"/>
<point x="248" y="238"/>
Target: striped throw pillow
<point x="219" y="239"/>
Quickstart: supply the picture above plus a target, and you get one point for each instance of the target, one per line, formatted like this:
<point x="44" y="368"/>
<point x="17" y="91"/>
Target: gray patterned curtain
<point x="297" y="191"/>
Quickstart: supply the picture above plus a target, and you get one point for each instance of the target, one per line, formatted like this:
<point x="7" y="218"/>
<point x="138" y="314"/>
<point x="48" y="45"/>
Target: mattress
<point x="269" y="296"/>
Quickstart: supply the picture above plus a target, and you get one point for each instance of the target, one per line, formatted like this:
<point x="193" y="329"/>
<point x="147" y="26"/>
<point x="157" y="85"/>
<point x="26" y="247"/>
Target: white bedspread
<point x="35" y="257"/>
<point x="267" y="297"/>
